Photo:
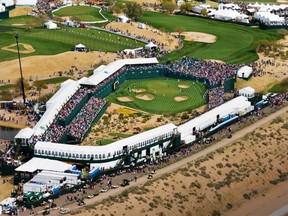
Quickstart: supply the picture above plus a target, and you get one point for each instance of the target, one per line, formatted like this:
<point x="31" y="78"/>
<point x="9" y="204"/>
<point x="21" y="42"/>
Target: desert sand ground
<point x="20" y="11"/>
<point x="215" y="179"/>
<point x="198" y="37"/>
<point x="45" y="66"/>
<point x="5" y="187"/>
<point x="168" y="40"/>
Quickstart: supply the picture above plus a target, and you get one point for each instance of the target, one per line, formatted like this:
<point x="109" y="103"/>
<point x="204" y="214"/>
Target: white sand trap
<point x="138" y="90"/>
<point x="18" y="24"/>
<point x="125" y="99"/>
<point x="180" y="98"/>
<point x="13" y="48"/>
<point x="198" y="37"/>
<point x="183" y="86"/>
<point x="145" y="97"/>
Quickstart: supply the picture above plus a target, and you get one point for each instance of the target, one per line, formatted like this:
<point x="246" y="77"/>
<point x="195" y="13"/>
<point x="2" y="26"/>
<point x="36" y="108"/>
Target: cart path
<point x="170" y="168"/>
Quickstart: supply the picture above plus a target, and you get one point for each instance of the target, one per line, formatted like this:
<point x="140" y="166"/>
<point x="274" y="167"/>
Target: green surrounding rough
<point x="85" y="13"/>
<point x="104" y="142"/>
<point x="51" y="42"/>
<point x="235" y="43"/>
<point x="164" y="91"/>
<point x="120" y="135"/>
<point x="56" y="80"/>
<point x="6" y="87"/>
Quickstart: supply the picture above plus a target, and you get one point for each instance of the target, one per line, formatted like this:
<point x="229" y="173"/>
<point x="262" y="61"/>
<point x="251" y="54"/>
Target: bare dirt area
<point x="180" y="98"/>
<point x="5" y="187"/>
<point x="198" y="37"/>
<point x="258" y="83"/>
<point x="183" y="86"/>
<point x="45" y="66"/>
<point x="20" y="11"/>
<point x="12" y="48"/>
<point x="218" y="179"/>
<point x="125" y="99"/>
<point x="138" y="90"/>
<point x="147" y="97"/>
<point x="168" y="40"/>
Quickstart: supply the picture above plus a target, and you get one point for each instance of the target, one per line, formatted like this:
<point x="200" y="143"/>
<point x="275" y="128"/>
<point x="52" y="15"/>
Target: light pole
<point x="21" y="75"/>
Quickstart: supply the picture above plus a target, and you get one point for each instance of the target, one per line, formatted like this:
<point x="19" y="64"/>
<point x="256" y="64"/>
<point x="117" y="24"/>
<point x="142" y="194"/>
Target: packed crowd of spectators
<point x="216" y="96"/>
<point x="72" y="103"/>
<point x="80" y="124"/>
<point x="44" y="6"/>
<point x="214" y="72"/>
<point x="54" y="133"/>
<point x="275" y="23"/>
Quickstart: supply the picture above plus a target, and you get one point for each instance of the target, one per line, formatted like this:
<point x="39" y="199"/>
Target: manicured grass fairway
<point x="161" y="104"/>
<point x="51" y="42"/>
<point x="235" y="43"/>
<point x="85" y="13"/>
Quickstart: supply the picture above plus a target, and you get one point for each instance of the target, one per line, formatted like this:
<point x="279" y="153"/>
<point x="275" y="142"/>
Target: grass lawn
<point x="164" y="91"/>
<point x="235" y="43"/>
<point x="104" y="142"/>
<point x="6" y="87"/>
<point x="122" y="135"/>
<point x="85" y="13"/>
<point x="55" y="80"/>
<point x="51" y="42"/>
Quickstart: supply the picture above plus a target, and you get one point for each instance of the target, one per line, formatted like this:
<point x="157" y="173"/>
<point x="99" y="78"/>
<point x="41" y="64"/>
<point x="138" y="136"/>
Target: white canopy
<point x="236" y="105"/>
<point x="105" y="72"/>
<point x="43" y="164"/>
<point x="26" y="2"/>
<point x="141" y="26"/>
<point x="24" y="133"/>
<point x="7" y="3"/>
<point x="50" y="25"/>
<point x="2" y="8"/>
<point x="123" y="18"/>
<point x="150" y="45"/>
<point x="247" y="92"/>
<point x="80" y="46"/>
<point x="244" y="72"/>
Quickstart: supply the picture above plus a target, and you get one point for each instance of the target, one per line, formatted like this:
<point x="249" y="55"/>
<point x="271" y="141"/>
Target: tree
<point x="118" y="7"/>
<point x="187" y="6"/>
<point x="168" y="6"/>
<point x="18" y="87"/>
<point x="29" y="25"/>
<point x="39" y="84"/>
<point x="180" y="30"/>
<point x="204" y="12"/>
<point x="6" y="95"/>
<point x="75" y="19"/>
<point x="42" y="18"/>
<point x="133" y="10"/>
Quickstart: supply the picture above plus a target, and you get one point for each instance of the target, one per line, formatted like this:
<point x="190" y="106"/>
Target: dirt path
<point x="183" y="162"/>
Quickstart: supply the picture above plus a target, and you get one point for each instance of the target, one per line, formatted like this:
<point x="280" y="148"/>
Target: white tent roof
<point x="106" y="165"/>
<point x="123" y="18"/>
<point x="150" y="45"/>
<point x="246" y="70"/>
<point x="2" y="8"/>
<point x="7" y="2"/>
<point x="209" y="118"/>
<point x="54" y="104"/>
<point x="116" y="146"/>
<point x="26" y="2"/>
<point x="24" y="133"/>
<point x="80" y="46"/>
<point x="111" y="68"/>
<point x="247" y="90"/>
<point x="50" y="25"/>
<point x="43" y="164"/>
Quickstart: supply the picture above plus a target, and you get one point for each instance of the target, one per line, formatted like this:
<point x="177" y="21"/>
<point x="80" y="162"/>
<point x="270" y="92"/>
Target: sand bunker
<point x="125" y="99"/>
<point x="18" y="24"/>
<point x="13" y="48"/>
<point x="145" y="96"/>
<point x="198" y="36"/>
<point x="183" y="86"/>
<point x="138" y="90"/>
<point x="180" y="98"/>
